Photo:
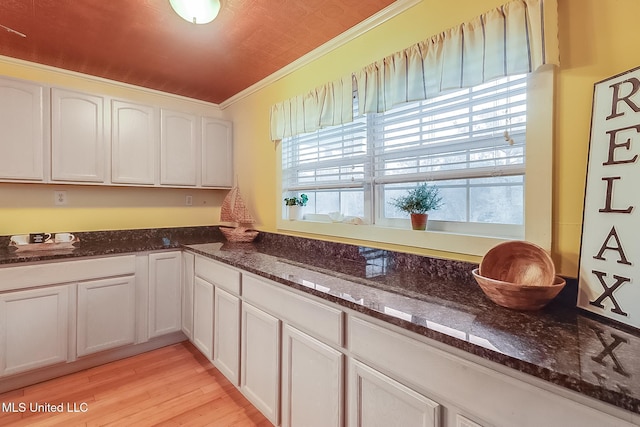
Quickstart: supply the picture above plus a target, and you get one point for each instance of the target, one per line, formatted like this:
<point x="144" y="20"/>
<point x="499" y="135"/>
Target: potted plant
<point x="417" y="202"/>
<point x="294" y="204"/>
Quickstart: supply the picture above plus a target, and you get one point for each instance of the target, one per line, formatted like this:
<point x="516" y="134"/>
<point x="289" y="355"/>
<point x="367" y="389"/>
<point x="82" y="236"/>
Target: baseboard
<point x="43" y="374"/>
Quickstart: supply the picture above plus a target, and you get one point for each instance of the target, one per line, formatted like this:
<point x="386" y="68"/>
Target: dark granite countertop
<point x="558" y="344"/>
<point x="431" y="297"/>
<point x="100" y="243"/>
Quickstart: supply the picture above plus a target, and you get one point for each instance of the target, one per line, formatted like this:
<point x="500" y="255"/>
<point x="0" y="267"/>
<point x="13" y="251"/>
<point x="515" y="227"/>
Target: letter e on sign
<point x="609" y="276"/>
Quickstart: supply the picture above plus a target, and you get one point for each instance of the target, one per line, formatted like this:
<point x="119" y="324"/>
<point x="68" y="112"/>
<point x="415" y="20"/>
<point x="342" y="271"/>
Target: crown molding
<point x="95" y="79"/>
<point x="368" y="24"/>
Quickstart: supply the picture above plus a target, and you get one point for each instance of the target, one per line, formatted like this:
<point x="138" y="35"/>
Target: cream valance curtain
<point x="327" y="105"/>
<point x="518" y="37"/>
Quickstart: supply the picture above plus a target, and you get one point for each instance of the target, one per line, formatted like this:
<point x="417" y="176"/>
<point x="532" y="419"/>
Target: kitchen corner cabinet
<point x="22" y="139"/>
<point x="106" y="314"/>
<point x="203" y="317"/>
<point x="33" y="328"/>
<point x="217" y="153"/>
<point x="188" y="278"/>
<point x="178" y="149"/>
<point x="165" y="288"/>
<point x="216" y="315"/>
<point x="226" y="334"/>
<point x="134" y="136"/>
<point x="78" y="150"/>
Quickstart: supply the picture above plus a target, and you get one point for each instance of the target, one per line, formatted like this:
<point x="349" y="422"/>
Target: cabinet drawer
<point x="219" y="275"/>
<point x="27" y="276"/>
<point x="318" y="319"/>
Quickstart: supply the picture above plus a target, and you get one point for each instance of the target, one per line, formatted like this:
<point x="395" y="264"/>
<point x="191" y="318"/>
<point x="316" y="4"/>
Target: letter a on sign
<point x="609" y="276"/>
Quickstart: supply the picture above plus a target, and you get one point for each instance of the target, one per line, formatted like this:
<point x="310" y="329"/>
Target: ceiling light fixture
<point x="196" y="11"/>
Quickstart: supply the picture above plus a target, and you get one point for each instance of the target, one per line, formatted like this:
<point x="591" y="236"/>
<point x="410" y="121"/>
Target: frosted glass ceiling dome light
<point x="196" y="11"/>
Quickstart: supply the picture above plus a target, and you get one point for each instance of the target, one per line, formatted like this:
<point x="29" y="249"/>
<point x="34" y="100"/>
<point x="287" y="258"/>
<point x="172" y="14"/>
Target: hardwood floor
<point x="171" y="386"/>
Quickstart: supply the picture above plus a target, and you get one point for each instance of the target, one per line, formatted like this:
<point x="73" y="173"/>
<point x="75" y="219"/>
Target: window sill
<point x="431" y="240"/>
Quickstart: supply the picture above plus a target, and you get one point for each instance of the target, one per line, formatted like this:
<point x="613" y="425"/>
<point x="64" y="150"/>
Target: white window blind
<point x="330" y="158"/>
<point x="457" y="135"/>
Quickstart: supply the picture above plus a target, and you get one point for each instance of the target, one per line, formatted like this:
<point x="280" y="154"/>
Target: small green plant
<point x="299" y="201"/>
<point x="422" y="199"/>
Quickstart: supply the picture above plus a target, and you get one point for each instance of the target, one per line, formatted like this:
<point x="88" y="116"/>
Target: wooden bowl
<point x="518" y="262"/>
<point x="518" y="297"/>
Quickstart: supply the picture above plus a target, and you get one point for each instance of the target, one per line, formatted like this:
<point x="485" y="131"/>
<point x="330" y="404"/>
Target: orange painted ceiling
<point x="144" y="43"/>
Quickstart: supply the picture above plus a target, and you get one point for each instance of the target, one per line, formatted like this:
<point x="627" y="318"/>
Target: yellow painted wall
<point x="597" y="39"/>
<point x="26" y="208"/>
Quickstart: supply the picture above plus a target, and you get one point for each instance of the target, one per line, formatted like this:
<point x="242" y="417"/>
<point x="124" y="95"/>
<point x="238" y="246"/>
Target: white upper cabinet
<point x="217" y="153"/>
<point x="178" y="149"/>
<point x="55" y="135"/>
<point x="134" y="136"/>
<point x="77" y="137"/>
<point x="22" y="137"/>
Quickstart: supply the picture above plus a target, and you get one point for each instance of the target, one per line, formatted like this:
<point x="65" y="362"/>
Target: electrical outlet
<point x="60" y="198"/>
<point x="188" y="200"/>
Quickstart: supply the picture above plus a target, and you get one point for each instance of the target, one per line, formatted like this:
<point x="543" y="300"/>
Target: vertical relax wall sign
<point x="610" y="254"/>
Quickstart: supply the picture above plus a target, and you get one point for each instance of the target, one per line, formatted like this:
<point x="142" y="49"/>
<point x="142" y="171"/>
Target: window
<point x="480" y="146"/>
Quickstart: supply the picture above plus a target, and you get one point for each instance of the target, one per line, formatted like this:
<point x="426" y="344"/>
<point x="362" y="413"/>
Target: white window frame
<point x="537" y="192"/>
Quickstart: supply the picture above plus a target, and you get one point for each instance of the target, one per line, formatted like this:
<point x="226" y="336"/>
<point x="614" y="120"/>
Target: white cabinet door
<point x="312" y="393"/>
<point x="134" y="135"/>
<point x="377" y="400"/>
<point x="106" y="314"/>
<point x="203" y="317"/>
<point x="188" y="275"/>
<point x="226" y="335"/>
<point x="217" y="153"/>
<point x="165" y="305"/>
<point x="77" y="137"/>
<point x="33" y="328"/>
<point x="22" y="131"/>
<point x="260" y="377"/>
<point x="178" y="149"/>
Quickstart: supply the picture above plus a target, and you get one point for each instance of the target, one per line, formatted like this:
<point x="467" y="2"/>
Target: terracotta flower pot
<point x="419" y="221"/>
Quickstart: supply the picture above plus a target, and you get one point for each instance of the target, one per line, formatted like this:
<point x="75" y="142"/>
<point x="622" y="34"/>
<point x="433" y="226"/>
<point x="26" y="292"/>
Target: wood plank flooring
<point x="171" y="386"/>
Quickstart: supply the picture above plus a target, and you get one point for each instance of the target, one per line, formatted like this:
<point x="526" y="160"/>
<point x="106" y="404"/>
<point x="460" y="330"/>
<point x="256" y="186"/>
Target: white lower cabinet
<point x="216" y="315"/>
<point x="493" y="395"/>
<point x="226" y="335"/>
<point x="377" y="400"/>
<point x="203" y="316"/>
<point x="106" y="314"/>
<point x="165" y="290"/>
<point x="260" y="365"/>
<point x="188" y="277"/>
<point x="33" y="328"/>
<point x="312" y="378"/>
